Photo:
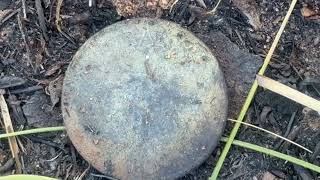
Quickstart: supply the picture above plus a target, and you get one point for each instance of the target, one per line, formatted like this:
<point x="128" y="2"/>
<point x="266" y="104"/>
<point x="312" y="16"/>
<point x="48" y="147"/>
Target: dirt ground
<point x="34" y="56"/>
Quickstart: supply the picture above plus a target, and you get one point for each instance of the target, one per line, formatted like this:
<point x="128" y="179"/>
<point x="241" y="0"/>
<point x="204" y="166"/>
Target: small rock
<point x="268" y="176"/>
<point x="316" y="41"/>
<point x="311" y="119"/>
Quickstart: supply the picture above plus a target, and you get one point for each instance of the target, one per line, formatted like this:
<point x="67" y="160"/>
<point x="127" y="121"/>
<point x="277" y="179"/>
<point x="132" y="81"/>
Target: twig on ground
<point x="288" y="92"/>
<point x="58" y="19"/>
<point x="316" y="152"/>
<point x="22" y="148"/>
<point x="54" y="158"/>
<point x="303" y="173"/>
<point x="52" y="144"/>
<point x="41" y="18"/>
<point x="172" y="5"/>
<point x="26" y="90"/>
<point x="213" y="11"/>
<point x="201" y="3"/>
<point x="288" y="130"/>
<point x="9" y="129"/>
<point x="24" y="9"/>
<point x="292" y="135"/>
<point x="22" y="31"/>
<point x="16" y="110"/>
<point x="103" y="176"/>
<point x="9" y="16"/>
<point x="6" y="167"/>
<point x="274" y="134"/>
<point x="83" y="174"/>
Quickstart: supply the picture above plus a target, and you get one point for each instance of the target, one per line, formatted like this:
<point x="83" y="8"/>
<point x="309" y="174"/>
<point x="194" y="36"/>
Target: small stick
<point x="316" y="152"/>
<point x="288" y="92"/>
<point x="7" y="165"/>
<point x="213" y="11"/>
<point x="52" y="144"/>
<point x="83" y="174"/>
<point x="9" y="129"/>
<point x="103" y="176"/>
<point x="201" y="3"/>
<point x="24" y="9"/>
<point x="292" y="135"/>
<point x="24" y="39"/>
<point x="41" y="19"/>
<point x="57" y="22"/>
<point x="9" y="16"/>
<point x="26" y="90"/>
<point x="173" y="4"/>
<point x="288" y="129"/>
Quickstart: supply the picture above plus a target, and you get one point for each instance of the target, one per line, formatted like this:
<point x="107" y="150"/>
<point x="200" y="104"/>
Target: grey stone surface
<point x="144" y="99"/>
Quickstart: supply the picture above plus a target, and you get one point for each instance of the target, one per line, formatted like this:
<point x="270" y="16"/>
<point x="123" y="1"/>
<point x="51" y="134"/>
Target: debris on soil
<point x="303" y="173"/>
<point x="17" y="112"/>
<point x="250" y="9"/>
<point x="4" y="4"/>
<point x="11" y="81"/>
<point x="311" y="119"/>
<point x="7" y="166"/>
<point x="128" y="8"/>
<point x="39" y="112"/>
<point x="268" y="176"/>
<point x="307" y="12"/>
<point x="54" y="90"/>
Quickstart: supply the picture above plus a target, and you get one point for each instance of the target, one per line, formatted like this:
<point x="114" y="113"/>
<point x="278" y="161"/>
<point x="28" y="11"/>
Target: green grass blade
<point x="275" y="154"/>
<point x="251" y="94"/>
<point x="33" y="131"/>
<point x="234" y="131"/>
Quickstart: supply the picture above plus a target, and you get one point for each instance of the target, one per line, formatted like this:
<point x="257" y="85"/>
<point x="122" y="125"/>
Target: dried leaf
<point x="54" y="89"/>
<point x="265" y="111"/>
<point x="250" y="9"/>
<point x="307" y="12"/>
<point x="53" y="69"/>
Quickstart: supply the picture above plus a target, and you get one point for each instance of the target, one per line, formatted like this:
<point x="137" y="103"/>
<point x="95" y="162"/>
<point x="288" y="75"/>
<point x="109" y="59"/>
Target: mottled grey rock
<point x="144" y="99"/>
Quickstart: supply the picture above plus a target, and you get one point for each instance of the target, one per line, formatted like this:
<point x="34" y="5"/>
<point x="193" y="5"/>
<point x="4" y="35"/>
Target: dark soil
<point x="39" y="56"/>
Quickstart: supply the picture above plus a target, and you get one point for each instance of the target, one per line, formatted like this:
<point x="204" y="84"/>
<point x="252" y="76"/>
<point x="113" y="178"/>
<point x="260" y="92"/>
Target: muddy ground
<point x="34" y="56"/>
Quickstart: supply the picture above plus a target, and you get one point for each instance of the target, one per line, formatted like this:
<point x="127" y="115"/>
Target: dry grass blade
<point x="213" y="11"/>
<point x="25" y="40"/>
<point x="274" y="134"/>
<point x="58" y="20"/>
<point x="288" y="92"/>
<point x="9" y="129"/>
<point x="173" y="4"/>
<point x="201" y="3"/>
<point x="24" y="9"/>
